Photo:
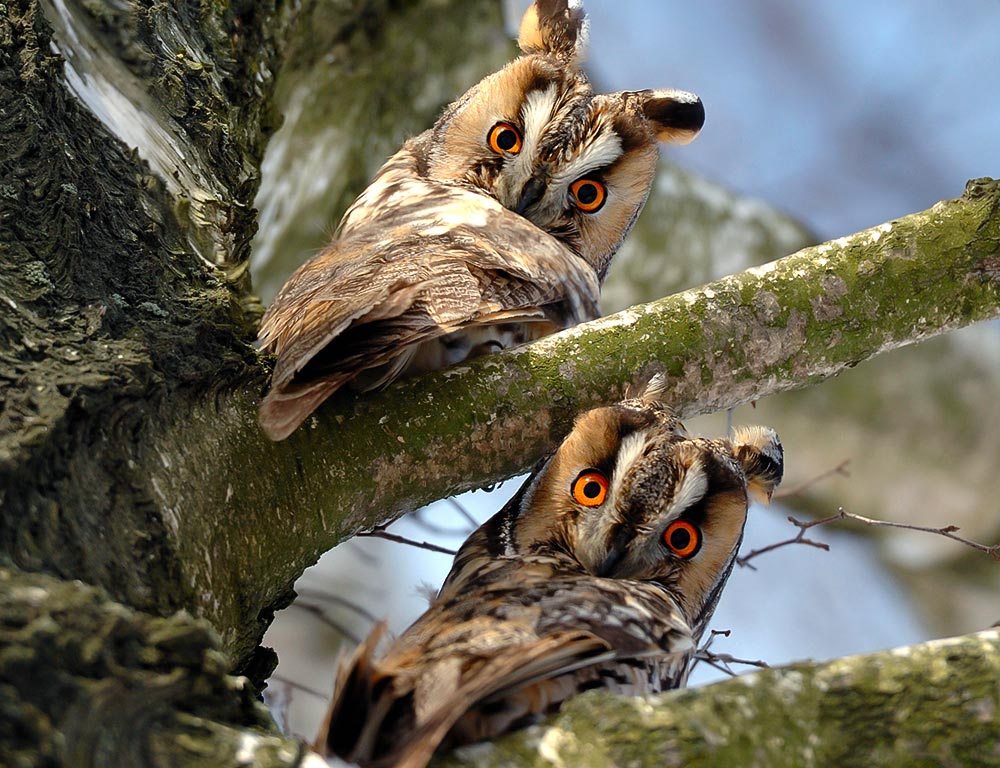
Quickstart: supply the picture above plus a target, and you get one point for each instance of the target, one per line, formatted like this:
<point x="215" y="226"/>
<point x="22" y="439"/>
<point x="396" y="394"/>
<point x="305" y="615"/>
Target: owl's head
<point x="536" y="137"/>
<point x="631" y="495"/>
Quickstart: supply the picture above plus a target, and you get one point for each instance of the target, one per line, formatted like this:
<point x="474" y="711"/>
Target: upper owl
<point x="494" y="227"/>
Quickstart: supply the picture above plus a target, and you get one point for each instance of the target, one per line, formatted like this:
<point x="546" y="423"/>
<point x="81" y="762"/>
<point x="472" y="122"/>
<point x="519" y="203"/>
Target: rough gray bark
<point x="85" y="681"/>
<point x="122" y="296"/>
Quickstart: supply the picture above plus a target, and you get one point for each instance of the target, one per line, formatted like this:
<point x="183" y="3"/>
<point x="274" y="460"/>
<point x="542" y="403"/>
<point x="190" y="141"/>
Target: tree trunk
<point x="130" y="459"/>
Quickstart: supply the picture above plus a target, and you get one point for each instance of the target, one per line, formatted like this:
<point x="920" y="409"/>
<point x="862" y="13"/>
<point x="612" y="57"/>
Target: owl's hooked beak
<point x="532" y="192"/>
<point x="616" y="551"/>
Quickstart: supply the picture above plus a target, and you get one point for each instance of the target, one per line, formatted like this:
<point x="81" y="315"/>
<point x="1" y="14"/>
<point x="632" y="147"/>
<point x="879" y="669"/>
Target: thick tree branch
<point x="931" y="704"/>
<point x="363" y="461"/>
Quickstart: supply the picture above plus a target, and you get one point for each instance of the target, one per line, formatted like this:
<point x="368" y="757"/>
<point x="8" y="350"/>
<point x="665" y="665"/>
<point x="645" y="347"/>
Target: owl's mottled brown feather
<point x="369" y="300"/>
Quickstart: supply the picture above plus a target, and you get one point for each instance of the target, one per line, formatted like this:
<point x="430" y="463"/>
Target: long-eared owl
<point x="494" y="227"/>
<point x="602" y="571"/>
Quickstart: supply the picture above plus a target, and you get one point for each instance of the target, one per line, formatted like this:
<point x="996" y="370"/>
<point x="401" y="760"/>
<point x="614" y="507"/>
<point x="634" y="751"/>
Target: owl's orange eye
<point x="590" y="488"/>
<point x="504" y="138"/>
<point x="588" y="194"/>
<point x="682" y="538"/>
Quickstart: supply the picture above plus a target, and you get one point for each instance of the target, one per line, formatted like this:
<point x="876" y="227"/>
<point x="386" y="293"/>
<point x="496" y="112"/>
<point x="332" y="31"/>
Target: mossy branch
<point x="362" y="461"/>
<point x="935" y="704"/>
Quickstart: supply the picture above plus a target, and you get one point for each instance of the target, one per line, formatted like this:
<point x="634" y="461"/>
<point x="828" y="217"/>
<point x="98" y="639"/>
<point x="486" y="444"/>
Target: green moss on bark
<point x="110" y="316"/>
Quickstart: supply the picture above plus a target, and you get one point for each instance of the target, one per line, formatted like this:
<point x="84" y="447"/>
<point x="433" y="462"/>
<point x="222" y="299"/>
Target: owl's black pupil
<point x="587" y="193"/>
<point x="592" y="489"/>
<point x="506" y="139"/>
<point x="680" y="538"/>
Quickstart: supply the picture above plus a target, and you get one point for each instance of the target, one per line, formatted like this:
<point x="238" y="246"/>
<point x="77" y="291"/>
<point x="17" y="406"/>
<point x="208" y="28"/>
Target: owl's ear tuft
<point x="555" y="27"/>
<point x="652" y="390"/>
<point x="676" y="116"/>
<point x="759" y="451"/>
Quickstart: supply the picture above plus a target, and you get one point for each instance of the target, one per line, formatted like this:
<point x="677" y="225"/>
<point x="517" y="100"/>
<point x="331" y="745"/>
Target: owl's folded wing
<point x="361" y="308"/>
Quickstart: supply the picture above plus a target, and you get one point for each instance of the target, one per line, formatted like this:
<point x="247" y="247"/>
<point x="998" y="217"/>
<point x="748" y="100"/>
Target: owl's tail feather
<point x="371" y="720"/>
<point x="283" y="410"/>
<point x="386" y="715"/>
<point x="346" y="730"/>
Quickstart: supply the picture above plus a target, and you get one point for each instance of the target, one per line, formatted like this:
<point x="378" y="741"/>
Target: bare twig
<point x="464" y="513"/>
<point x="419" y="517"/>
<point x="721" y="661"/>
<point x="329" y="597"/>
<point x="381" y="533"/>
<point x="292" y="684"/>
<point x="795" y="490"/>
<point x="840" y="469"/>
<point x="799" y="538"/>
<point x="320" y="614"/>
<point x="948" y="531"/>
<point x="359" y="552"/>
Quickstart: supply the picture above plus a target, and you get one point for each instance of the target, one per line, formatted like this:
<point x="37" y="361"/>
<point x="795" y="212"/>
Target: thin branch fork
<point x="948" y="531"/>
<point x="721" y="661"/>
<point x="799" y="538"/>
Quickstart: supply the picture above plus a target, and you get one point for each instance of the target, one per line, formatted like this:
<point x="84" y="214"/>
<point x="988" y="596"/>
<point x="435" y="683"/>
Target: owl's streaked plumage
<point x="494" y="227"/>
<point x="601" y="572"/>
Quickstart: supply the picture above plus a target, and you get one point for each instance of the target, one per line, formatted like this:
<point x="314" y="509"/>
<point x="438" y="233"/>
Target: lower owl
<point x="602" y="571"/>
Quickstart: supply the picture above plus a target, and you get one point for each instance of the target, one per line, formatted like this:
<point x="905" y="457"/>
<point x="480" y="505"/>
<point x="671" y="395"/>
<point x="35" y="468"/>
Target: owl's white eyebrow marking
<point x="692" y="489"/>
<point x="597" y="151"/>
<point x="536" y="114"/>
<point x="629" y="451"/>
